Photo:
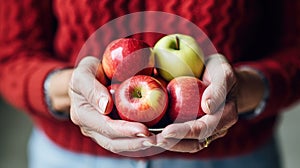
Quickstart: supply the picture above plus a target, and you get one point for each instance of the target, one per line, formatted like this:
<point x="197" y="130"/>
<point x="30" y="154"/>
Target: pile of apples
<point x="155" y="86"/>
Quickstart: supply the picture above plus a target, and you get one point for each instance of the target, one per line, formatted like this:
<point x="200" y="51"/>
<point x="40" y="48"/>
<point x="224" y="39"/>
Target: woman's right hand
<point x="90" y="104"/>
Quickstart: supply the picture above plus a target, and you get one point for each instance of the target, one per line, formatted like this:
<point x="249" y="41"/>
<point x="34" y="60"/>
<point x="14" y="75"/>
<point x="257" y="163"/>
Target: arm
<point x="280" y="68"/>
<point x="234" y="90"/>
<point x="26" y="60"/>
<point x="26" y="54"/>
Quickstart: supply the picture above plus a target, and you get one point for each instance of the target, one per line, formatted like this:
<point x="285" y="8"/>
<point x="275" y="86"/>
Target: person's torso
<point x="234" y="26"/>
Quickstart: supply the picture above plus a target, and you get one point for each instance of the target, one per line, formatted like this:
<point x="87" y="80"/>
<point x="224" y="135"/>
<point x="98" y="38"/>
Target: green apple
<point x="178" y="55"/>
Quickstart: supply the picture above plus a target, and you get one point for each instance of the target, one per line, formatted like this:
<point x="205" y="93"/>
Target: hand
<point x="219" y="102"/>
<point x="58" y="90"/>
<point x="251" y="89"/>
<point x="90" y="104"/>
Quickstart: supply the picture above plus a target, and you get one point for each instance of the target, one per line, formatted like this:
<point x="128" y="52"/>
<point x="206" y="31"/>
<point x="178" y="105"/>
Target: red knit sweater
<point x="39" y="36"/>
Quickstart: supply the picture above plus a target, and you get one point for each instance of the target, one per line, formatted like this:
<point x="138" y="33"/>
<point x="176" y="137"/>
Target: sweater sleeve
<point x="26" y="53"/>
<point x="282" y="67"/>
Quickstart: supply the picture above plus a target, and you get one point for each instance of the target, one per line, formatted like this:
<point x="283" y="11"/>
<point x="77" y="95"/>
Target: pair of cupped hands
<point x="230" y="91"/>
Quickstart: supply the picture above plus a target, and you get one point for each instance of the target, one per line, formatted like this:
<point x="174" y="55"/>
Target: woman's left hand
<point x="218" y="102"/>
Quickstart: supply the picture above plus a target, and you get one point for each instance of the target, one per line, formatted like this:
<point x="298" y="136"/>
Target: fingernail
<point x="170" y="135"/>
<point x="160" y="144"/>
<point x="141" y="135"/>
<point x="208" y="105"/>
<point x="148" y="144"/>
<point x="103" y="101"/>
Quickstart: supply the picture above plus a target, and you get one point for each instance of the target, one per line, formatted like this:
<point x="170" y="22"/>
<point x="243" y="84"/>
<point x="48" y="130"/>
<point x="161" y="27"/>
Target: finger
<point x="205" y="142"/>
<point x="229" y="116"/>
<point x="84" y="115"/>
<point x="196" y="129"/>
<point x="177" y="145"/>
<point x="186" y="145"/>
<point x="85" y="83"/>
<point x="61" y="104"/>
<point x="220" y="78"/>
<point x="187" y="130"/>
<point x="123" y="144"/>
<point x="219" y="134"/>
<point x="204" y="126"/>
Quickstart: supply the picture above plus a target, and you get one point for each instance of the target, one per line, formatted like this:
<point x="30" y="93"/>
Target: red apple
<point x="142" y="99"/>
<point x="127" y="57"/>
<point x="161" y="80"/>
<point x="185" y="95"/>
<point x="100" y="76"/>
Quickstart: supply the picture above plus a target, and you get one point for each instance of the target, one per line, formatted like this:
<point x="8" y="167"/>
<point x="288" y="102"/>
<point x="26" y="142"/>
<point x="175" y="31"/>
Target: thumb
<point x="84" y="82"/>
<point x="220" y="78"/>
<point x="104" y="98"/>
<point x="213" y="98"/>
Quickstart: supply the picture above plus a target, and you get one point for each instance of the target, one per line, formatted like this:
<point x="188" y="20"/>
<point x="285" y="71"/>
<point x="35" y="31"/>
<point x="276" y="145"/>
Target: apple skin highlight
<point x="127" y="57"/>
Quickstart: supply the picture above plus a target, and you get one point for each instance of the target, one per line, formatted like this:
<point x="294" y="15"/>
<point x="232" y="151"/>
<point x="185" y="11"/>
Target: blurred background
<point x="15" y="128"/>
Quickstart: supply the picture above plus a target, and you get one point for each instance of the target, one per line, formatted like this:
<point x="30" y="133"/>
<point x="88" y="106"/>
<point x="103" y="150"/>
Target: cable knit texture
<point x="40" y="36"/>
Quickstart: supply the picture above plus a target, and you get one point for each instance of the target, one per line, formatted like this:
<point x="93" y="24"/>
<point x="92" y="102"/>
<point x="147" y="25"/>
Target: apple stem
<point x="137" y="94"/>
<point x="177" y="43"/>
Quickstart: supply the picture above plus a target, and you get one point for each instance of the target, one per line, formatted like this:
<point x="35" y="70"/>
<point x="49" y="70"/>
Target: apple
<point x="126" y="57"/>
<point x="162" y="81"/>
<point x="100" y="75"/>
<point x="142" y="99"/>
<point x="178" y="55"/>
<point x="185" y="95"/>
